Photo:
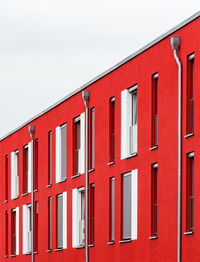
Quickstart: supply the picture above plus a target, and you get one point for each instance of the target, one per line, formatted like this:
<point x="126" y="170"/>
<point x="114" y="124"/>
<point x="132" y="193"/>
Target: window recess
<point x="154" y="120"/>
<point x="92" y="215"/>
<point x="154" y="201"/>
<point x="129" y="122"/>
<point x="14" y="174"/>
<point x="78" y="217"/>
<point x="112" y="130"/>
<point x="15" y="231"/>
<point x="27" y="168"/>
<point x="92" y="140"/>
<point x="49" y="158"/>
<point x="112" y="210"/>
<point x="27" y="229"/>
<point x="6" y="178"/>
<point x="79" y="144"/>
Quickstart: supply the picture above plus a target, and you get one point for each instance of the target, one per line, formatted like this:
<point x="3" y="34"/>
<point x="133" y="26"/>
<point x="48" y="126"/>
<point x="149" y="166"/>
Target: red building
<point x="134" y="164"/>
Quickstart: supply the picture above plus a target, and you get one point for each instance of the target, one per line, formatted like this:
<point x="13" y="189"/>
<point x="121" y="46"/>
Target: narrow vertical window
<point x="6" y="233"/>
<point x="154" y="201"/>
<point x="190" y="193"/>
<point x="112" y="209"/>
<point x="36" y="165"/>
<point x="27" y="229"/>
<point x="92" y="138"/>
<point x="63" y="151"/>
<point x="14" y="174"/>
<point x="6" y="178"/>
<point x="36" y="228"/>
<point x="126" y="203"/>
<point x="25" y="168"/>
<point x="92" y="213"/>
<point x="77" y="144"/>
<point x="50" y="223"/>
<point x="112" y="131"/>
<point x="59" y="221"/>
<point x="154" y="110"/>
<point x="13" y="232"/>
<point x="190" y="94"/>
<point x="50" y="158"/>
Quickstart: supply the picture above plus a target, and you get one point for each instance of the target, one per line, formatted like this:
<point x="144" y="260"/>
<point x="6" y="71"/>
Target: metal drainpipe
<point x="175" y="43"/>
<point x="85" y="95"/>
<point x="31" y="131"/>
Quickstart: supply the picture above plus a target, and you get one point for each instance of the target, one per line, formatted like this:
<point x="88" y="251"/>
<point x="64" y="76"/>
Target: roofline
<point x="138" y="52"/>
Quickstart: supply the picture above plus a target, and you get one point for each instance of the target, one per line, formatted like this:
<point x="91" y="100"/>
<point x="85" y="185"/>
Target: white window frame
<point x="16" y="210"/>
<point x="14" y="174"/>
<point x="26" y="229"/>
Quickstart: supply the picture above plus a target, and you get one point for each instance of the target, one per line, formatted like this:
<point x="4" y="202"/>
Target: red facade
<point x="158" y="59"/>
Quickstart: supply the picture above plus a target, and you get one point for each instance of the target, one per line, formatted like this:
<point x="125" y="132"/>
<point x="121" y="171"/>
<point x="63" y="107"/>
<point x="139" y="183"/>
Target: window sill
<point x="13" y="255"/>
<point x="91" y="245"/>
<point x="111" y="163"/>
<point x="6" y="256"/>
<point x="15" y="198"/>
<point x="28" y="253"/>
<point x="35" y="190"/>
<point x="59" y="249"/>
<point x="35" y="252"/>
<point x="79" y="246"/>
<point x="25" y="194"/>
<point x="5" y="201"/>
<point x="189" y="135"/>
<point x="49" y="250"/>
<point x="77" y="175"/>
<point x="125" y="241"/>
<point x="50" y="185"/>
<point x="62" y="180"/>
<point x="153" y="237"/>
<point x="91" y="170"/>
<point x="153" y="148"/>
<point x="134" y="154"/>
<point x="111" y="243"/>
<point x="189" y="233"/>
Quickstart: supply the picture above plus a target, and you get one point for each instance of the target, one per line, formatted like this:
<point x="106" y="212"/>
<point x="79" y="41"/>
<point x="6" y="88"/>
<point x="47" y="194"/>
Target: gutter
<point x="85" y="95"/>
<point x="31" y="131"/>
<point x="175" y="43"/>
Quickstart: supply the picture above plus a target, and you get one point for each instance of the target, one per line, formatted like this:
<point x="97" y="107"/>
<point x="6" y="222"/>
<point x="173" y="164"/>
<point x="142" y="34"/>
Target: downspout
<point x="85" y="95"/>
<point x="31" y="131"/>
<point x="175" y="43"/>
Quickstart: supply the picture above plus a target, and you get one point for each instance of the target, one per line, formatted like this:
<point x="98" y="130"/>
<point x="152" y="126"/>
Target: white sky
<point x="50" y="47"/>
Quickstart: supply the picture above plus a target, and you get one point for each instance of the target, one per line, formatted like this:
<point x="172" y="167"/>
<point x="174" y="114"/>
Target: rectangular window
<point x="36" y="227"/>
<point x="112" y="131"/>
<point x="129" y="205"/>
<point x="190" y="193"/>
<point x="6" y="177"/>
<point x="36" y="165"/>
<point x="77" y="144"/>
<point x="92" y="213"/>
<point x="50" y="223"/>
<point x="92" y="138"/>
<point x="154" y="110"/>
<point x="61" y="153"/>
<point x="154" y="200"/>
<point x="25" y="168"/>
<point x="190" y="94"/>
<point x="129" y="122"/>
<point x="6" y="233"/>
<point x="50" y="158"/>
<point x="61" y="221"/>
<point x="14" y="174"/>
<point x="112" y="209"/>
<point x="78" y="214"/>
<point x="15" y="231"/>
<point x="27" y="229"/>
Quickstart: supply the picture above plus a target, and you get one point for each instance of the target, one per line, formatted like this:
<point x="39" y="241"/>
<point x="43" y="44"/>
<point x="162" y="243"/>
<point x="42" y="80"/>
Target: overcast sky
<point x="49" y="48"/>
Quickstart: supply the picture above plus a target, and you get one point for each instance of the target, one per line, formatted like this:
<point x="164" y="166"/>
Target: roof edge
<point x="109" y="70"/>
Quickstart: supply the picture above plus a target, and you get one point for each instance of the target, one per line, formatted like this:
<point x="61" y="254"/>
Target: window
<point x="154" y="200"/>
<point x="190" y="193"/>
<point x="50" y="158"/>
<point x="190" y="94"/>
<point x="6" y="233"/>
<point x="129" y="122"/>
<point x="92" y="214"/>
<point x="129" y="206"/>
<point x="112" y="209"/>
<point x="92" y="138"/>
<point x="154" y="120"/>
<point x="112" y="131"/>
<point x="27" y="229"/>
<point x="15" y="231"/>
<point x="50" y="223"/>
<point x="14" y="174"/>
<point x="61" y="219"/>
<point x="6" y="178"/>
<point x="61" y="153"/>
<point x="79" y="144"/>
<point x="36" y="165"/>
<point x="78" y="220"/>
<point x="36" y="227"/>
<point x="27" y="168"/>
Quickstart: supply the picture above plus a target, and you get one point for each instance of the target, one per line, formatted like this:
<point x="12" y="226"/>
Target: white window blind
<point x="29" y="166"/>
<point x="17" y="230"/>
<point x="82" y="152"/>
